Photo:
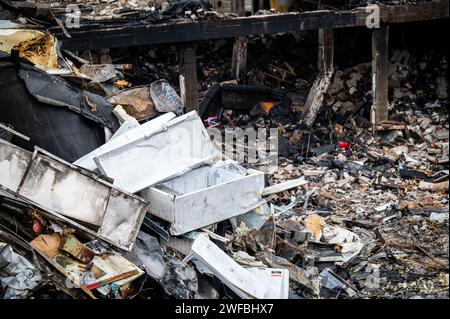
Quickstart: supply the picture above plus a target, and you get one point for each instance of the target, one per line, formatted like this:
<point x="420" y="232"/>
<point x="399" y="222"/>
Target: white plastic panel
<point x="199" y="179"/>
<point x="13" y="163"/>
<point x="127" y="137"/>
<point x="122" y="219"/>
<point x="217" y="203"/>
<point x="56" y="186"/>
<point x="71" y="194"/>
<point x="179" y="146"/>
<point x="205" y="196"/>
<point x="227" y="270"/>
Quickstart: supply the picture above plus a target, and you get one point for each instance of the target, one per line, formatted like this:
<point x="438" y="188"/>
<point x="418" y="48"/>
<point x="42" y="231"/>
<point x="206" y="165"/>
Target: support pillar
<point x="380" y="69"/>
<point x="188" y="77"/>
<point x="239" y="60"/>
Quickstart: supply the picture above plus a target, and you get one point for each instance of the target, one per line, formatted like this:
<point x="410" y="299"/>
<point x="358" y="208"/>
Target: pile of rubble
<point x="110" y="189"/>
<point x="372" y="218"/>
<point x="85" y="229"/>
<point x="391" y="192"/>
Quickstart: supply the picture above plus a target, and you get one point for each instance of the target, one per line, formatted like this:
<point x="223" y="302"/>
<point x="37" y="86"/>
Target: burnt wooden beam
<point x="325" y="65"/>
<point x="238" y="7"/>
<point x="380" y="69"/>
<point x="326" y="50"/>
<point x="260" y="4"/>
<point x="188" y="77"/>
<point x="104" y="36"/>
<point x="316" y="97"/>
<point x="320" y="86"/>
<point x="239" y="59"/>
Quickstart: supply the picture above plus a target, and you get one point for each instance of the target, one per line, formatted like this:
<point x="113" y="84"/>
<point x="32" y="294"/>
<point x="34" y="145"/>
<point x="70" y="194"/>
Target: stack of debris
<point x="84" y="220"/>
<point x="388" y="188"/>
<point x="135" y="199"/>
<point x="373" y="218"/>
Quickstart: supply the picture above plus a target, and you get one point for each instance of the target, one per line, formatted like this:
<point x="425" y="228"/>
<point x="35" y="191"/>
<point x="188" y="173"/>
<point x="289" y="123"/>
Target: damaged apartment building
<point x="117" y="180"/>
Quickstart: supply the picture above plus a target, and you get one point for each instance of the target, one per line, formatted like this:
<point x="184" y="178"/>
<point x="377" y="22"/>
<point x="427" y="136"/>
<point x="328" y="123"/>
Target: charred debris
<point x="102" y="195"/>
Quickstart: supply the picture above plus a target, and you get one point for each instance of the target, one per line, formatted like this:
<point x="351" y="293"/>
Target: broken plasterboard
<point x="227" y="270"/>
<point x="277" y="279"/>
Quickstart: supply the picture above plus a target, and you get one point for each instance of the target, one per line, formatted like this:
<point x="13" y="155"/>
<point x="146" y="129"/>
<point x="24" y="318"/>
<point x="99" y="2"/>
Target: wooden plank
<point x="188" y="77"/>
<point x="380" y="68"/>
<point x="101" y="283"/>
<point x="110" y="36"/>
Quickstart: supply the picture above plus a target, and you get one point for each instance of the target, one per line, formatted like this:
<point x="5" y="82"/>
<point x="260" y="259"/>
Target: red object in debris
<point x="37" y="227"/>
<point x="344" y="145"/>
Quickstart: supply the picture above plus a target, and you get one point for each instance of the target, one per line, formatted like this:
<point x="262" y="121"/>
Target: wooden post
<point x="257" y="5"/>
<point x="188" y="77"/>
<point x="238" y="7"/>
<point x="326" y="50"/>
<point x="325" y="58"/>
<point x="380" y="69"/>
<point x="239" y="60"/>
<point x="320" y="86"/>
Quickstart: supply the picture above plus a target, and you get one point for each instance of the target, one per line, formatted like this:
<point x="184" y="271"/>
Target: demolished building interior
<point x="112" y="185"/>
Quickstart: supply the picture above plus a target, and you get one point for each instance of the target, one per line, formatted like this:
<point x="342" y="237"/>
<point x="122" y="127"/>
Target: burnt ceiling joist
<point x="89" y="37"/>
